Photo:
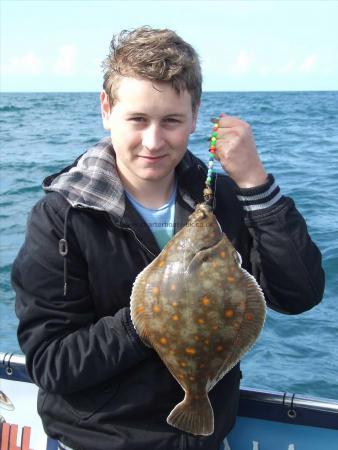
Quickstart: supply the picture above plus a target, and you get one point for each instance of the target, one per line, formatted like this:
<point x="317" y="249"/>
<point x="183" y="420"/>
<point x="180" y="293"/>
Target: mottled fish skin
<point x="200" y="311"/>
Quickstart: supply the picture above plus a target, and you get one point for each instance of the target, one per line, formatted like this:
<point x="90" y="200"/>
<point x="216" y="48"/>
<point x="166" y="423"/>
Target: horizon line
<point x="204" y="92"/>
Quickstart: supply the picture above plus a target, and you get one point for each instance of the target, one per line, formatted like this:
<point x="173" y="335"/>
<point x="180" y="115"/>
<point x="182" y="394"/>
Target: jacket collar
<point x="93" y="182"/>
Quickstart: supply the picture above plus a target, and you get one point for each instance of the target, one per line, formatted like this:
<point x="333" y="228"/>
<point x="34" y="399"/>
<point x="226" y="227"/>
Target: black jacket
<point x="101" y="388"/>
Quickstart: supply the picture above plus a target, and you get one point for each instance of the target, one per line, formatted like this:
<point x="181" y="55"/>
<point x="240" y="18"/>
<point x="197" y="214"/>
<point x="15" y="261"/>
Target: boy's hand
<point x="237" y="153"/>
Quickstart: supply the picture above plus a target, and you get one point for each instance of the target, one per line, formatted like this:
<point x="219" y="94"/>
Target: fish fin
<point x="193" y="416"/>
<point x="252" y="324"/>
<point x="254" y="314"/>
<point x="137" y="313"/>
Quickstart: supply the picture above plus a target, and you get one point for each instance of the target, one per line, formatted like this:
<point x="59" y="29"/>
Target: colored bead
<point x="211" y="171"/>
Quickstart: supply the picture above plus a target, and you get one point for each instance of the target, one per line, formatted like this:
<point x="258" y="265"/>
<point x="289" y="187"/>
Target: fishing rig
<point x="208" y="192"/>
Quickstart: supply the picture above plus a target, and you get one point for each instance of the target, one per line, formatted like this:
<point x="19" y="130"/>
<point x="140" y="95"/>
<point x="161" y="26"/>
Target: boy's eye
<point x="137" y="119"/>
<point x="172" y="120"/>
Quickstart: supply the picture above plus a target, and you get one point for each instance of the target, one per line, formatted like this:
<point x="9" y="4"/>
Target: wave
<point x="11" y="108"/>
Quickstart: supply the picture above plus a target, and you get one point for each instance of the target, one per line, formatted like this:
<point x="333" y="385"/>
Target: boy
<point x="101" y="388"/>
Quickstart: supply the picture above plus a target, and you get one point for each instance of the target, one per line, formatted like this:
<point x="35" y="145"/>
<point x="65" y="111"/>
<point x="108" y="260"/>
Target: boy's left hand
<point x="237" y="153"/>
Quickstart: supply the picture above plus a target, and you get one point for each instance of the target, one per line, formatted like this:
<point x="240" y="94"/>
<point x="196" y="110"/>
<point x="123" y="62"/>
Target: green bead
<point x="213" y="139"/>
<point x="214" y="134"/>
<point x="209" y="180"/>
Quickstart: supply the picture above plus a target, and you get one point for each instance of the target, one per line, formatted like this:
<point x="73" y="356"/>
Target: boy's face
<point x="150" y="124"/>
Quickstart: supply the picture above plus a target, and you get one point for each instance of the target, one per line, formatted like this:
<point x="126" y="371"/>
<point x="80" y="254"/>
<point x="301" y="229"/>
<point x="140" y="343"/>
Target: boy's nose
<point x="152" y="138"/>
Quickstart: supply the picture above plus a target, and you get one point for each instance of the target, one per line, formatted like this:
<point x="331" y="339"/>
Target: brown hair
<point x="153" y="54"/>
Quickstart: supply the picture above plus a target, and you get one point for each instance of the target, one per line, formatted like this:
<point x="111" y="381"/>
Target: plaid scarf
<point x="93" y="182"/>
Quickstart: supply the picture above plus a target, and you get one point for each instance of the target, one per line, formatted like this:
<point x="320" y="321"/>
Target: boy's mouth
<point x="152" y="158"/>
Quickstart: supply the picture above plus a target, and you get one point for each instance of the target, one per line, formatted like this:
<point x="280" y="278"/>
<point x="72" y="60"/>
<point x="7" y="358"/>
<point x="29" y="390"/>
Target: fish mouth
<point x="202" y="212"/>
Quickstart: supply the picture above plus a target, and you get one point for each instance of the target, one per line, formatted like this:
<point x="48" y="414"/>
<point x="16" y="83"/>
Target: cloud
<point x="66" y="62"/>
<point x="28" y="64"/>
<point x="287" y="68"/>
<point x="265" y="71"/>
<point x="308" y="64"/>
<point x="242" y="63"/>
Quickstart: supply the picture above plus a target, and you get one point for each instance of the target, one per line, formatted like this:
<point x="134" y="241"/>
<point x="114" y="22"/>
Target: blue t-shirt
<point x="160" y="220"/>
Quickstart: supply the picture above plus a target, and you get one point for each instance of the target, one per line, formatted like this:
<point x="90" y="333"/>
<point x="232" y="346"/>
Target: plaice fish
<point x="200" y="311"/>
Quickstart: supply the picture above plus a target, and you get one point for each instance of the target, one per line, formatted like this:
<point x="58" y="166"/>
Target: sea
<point x="297" y="137"/>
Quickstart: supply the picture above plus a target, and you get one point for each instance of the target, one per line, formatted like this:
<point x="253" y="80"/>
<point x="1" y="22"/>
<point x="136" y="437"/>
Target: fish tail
<point x="193" y="415"/>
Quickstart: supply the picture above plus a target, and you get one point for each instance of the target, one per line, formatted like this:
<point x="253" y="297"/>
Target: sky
<point x="255" y="45"/>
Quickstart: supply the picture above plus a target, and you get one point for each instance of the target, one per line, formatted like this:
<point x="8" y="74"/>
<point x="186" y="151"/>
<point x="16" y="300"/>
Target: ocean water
<point x="297" y="137"/>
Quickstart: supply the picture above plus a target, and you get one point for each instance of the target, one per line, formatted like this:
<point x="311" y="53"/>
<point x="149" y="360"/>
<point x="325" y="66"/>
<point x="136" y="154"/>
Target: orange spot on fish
<point x="183" y="364"/>
<point x="163" y="340"/>
<point x="192" y="378"/>
<point x="205" y="300"/>
<point x="175" y="317"/>
<point x="228" y="313"/>
<point x="156" y="290"/>
<point x="219" y="348"/>
<point x="173" y="287"/>
<point x="222" y="254"/>
<point x="207" y="342"/>
<point x="156" y="309"/>
<point x="215" y="264"/>
<point x="231" y="279"/>
<point x="249" y="316"/>
<point x="197" y="338"/>
<point x="140" y="309"/>
<point x="190" y="350"/>
<point x="200" y="321"/>
<point x="161" y="263"/>
<point x="215" y="327"/>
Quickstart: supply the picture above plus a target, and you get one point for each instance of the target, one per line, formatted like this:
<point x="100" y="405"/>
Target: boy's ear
<point x="194" y="119"/>
<point x="105" y="109"/>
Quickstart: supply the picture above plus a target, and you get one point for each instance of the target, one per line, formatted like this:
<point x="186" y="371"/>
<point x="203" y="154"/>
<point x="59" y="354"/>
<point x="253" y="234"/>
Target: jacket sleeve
<point x="67" y="349"/>
<point x="284" y="259"/>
